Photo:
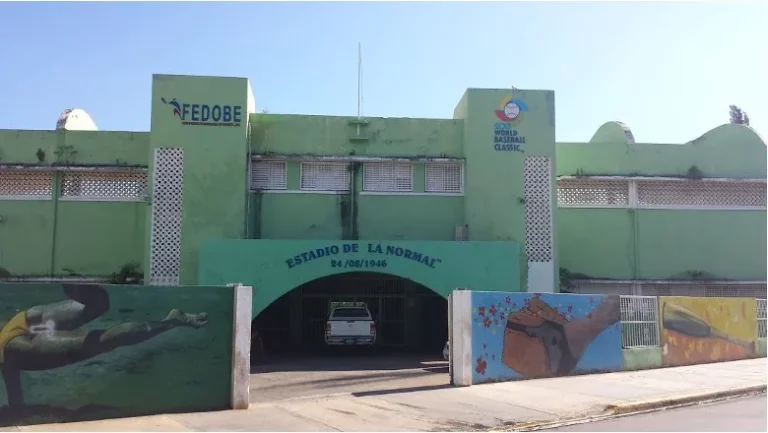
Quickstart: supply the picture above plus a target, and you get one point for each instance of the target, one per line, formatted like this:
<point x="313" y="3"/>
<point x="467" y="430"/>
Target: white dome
<point x="75" y="119"/>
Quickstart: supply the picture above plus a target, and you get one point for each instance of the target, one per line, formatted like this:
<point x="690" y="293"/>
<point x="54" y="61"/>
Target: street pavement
<point x="290" y="377"/>
<point x="747" y="414"/>
<point x="446" y="408"/>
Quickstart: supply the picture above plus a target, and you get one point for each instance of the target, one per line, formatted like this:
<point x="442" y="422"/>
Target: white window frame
<point x="393" y="191"/>
<point x="443" y="165"/>
<point x="140" y="196"/>
<point x="320" y="190"/>
<point x="281" y="185"/>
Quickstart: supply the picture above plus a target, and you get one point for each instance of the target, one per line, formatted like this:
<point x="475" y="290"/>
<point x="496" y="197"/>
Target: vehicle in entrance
<point x="350" y="325"/>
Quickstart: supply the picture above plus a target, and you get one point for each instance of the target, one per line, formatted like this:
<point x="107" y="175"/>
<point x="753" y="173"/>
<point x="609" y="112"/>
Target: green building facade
<point x="392" y="211"/>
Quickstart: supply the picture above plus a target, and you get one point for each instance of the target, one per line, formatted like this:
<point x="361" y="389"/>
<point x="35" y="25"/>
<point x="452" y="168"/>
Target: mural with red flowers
<point x="530" y="335"/>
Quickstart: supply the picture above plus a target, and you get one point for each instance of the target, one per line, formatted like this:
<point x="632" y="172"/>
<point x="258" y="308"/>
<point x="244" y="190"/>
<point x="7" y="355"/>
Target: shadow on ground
<point x="349" y="362"/>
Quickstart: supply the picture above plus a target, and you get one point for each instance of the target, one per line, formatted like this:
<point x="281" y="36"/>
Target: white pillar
<point x="241" y="347"/>
<point x="461" y="337"/>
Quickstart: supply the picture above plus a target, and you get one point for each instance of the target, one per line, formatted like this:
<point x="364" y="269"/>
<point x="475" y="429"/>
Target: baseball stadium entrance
<point x="404" y="285"/>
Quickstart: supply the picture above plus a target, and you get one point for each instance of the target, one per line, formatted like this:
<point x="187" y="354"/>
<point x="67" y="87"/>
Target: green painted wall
<point x="329" y="135"/>
<point x="726" y="151"/>
<point x="91" y="238"/>
<point x="115" y="236"/>
<point x="664" y="244"/>
<point x="180" y="369"/>
<point x="495" y="192"/>
<point x="641" y="358"/>
<point x="26" y="237"/>
<point x="215" y="162"/>
<point x="90" y="147"/>
<point x="264" y="264"/>
<point x="294" y="214"/>
<point x="761" y="347"/>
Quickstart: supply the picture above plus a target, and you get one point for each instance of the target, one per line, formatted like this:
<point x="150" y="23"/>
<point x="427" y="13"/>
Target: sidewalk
<point x="479" y="407"/>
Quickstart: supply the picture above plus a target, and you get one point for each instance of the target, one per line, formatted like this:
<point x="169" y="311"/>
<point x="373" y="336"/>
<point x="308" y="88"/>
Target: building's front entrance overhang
<point x="275" y="267"/>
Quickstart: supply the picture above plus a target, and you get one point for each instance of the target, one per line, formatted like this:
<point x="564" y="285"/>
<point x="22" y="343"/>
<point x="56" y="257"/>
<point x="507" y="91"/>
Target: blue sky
<point x="669" y="70"/>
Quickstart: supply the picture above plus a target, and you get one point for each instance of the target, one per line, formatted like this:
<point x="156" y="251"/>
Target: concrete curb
<point x="636" y="408"/>
<point x="649" y="405"/>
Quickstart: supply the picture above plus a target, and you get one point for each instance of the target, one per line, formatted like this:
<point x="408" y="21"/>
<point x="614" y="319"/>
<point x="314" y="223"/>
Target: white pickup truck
<point x="350" y="325"/>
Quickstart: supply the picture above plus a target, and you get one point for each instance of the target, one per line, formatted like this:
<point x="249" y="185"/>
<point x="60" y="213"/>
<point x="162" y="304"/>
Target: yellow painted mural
<point x="700" y="330"/>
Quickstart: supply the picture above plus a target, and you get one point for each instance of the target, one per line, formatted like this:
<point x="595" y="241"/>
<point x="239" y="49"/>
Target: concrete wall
<point x="215" y="161"/>
<point x="44" y="237"/>
<point x="497" y="336"/>
<point x="135" y="356"/>
<point x="524" y="336"/>
<point x="700" y="330"/>
<point x="664" y="244"/>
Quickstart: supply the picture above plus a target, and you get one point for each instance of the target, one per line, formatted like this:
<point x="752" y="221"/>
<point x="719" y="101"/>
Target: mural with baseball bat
<point x="531" y="335"/>
<point x="700" y="330"/>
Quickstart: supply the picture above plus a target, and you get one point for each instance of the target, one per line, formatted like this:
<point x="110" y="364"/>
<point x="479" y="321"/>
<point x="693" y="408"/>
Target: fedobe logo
<point x="205" y="114"/>
<point x="510" y="113"/>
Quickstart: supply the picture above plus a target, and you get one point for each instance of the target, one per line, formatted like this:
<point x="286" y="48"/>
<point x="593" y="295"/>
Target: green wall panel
<point x="82" y="147"/>
<point x="26" y="236"/>
<point x="642" y="358"/>
<point x="410" y="217"/>
<point x="330" y="135"/>
<point x="106" y="235"/>
<point x="300" y="216"/>
<point x="596" y="242"/>
<point x="723" y="244"/>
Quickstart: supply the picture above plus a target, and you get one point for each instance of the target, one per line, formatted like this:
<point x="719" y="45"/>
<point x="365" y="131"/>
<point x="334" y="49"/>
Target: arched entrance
<point x="410" y="317"/>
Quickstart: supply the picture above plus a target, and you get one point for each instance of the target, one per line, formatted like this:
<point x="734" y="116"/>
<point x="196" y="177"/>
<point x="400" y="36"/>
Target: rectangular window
<point x="104" y="185"/>
<point x="444" y="178"/>
<point x="388" y="177"/>
<point x="268" y="175"/>
<point x="26" y="185"/>
<point x="324" y="176"/>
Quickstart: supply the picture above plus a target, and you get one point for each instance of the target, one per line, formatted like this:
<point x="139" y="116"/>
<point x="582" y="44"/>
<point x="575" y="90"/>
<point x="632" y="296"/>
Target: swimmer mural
<point x="532" y="335"/>
<point x="75" y="352"/>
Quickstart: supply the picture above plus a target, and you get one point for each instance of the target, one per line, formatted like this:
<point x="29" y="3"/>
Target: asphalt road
<point x="743" y="414"/>
<point x="294" y="377"/>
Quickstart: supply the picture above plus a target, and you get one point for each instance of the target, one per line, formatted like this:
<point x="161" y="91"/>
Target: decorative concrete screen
<point x="506" y="336"/>
<point x="78" y="352"/>
<point x="701" y="330"/>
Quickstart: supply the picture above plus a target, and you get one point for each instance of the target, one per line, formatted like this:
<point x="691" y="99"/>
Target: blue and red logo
<point x="205" y="114"/>
<point x="511" y="110"/>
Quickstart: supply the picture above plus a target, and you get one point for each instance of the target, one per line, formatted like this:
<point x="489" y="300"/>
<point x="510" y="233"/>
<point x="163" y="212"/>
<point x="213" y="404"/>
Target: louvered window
<point x="388" y="177"/>
<point x="444" y="178"/>
<point x="268" y="175"/>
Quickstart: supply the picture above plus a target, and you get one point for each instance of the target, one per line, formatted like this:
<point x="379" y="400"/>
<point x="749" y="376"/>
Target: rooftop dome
<point x="75" y="119"/>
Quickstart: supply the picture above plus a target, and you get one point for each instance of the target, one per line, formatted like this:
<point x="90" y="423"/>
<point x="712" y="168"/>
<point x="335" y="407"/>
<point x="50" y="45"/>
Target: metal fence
<point x="639" y="321"/>
<point x="738" y="289"/>
<point x="761" y="321"/>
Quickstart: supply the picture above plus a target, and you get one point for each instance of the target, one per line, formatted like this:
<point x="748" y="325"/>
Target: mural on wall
<point x="75" y="352"/>
<point x="699" y="330"/>
<point x="532" y="335"/>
